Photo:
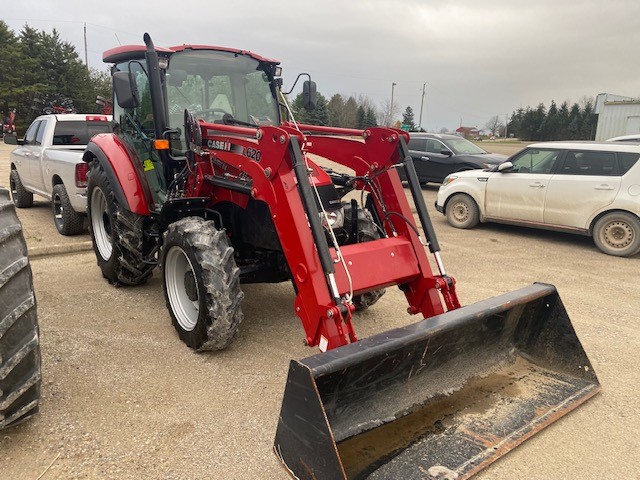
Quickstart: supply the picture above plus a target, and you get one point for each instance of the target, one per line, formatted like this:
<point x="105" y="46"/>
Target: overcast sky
<point x="478" y="59"/>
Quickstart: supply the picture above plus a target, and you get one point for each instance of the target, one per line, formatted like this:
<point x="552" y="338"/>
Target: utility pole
<point x="424" y="85"/>
<point x="393" y="85"/>
<point x="86" y="57"/>
<point x="506" y="125"/>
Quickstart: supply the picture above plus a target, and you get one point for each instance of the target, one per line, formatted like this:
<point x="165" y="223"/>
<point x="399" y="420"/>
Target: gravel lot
<point x="123" y="398"/>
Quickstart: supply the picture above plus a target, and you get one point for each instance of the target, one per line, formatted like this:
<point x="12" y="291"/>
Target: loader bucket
<point x="442" y="398"/>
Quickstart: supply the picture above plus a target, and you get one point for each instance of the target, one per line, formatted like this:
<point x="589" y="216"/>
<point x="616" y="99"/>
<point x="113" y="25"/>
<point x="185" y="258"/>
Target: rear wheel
<point x="67" y="220"/>
<point x="618" y="233"/>
<point x="116" y="233"/>
<point x="367" y="231"/>
<point x="21" y="197"/>
<point x="19" y="336"/>
<point x="462" y="211"/>
<point x="201" y="284"/>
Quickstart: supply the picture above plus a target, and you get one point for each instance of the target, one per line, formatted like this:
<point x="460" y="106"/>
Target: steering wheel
<point x="210" y="112"/>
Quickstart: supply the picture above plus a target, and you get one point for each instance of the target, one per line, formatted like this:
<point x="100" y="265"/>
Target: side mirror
<point x="126" y="90"/>
<point x="12" y="140"/>
<point x="505" y="167"/>
<point x="446" y="152"/>
<point x="309" y="95"/>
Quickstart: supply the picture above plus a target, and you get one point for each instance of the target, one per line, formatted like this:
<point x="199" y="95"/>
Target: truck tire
<point x="367" y="231"/>
<point x="19" y="335"/>
<point x="201" y="284"/>
<point x="66" y="219"/>
<point x="462" y="211"/>
<point x="116" y="233"/>
<point x="21" y="197"/>
<point x="617" y="233"/>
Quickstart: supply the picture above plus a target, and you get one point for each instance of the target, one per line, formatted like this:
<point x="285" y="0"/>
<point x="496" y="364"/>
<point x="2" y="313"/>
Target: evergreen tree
<point x="360" y="115"/>
<point x="407" y="119"/>
<point x="370" y="118"/>
<point x="335" y="109"/>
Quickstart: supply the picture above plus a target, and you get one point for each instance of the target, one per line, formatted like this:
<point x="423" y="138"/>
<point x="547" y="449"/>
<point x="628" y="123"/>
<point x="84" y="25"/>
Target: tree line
<point x="337" y="112"/>
<point x="577" y="122"/>
<point x="35" y="62"/>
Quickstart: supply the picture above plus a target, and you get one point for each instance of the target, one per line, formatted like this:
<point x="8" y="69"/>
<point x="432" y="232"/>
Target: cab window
<point x="30" y="136"/>
<point x="418" y="144"/>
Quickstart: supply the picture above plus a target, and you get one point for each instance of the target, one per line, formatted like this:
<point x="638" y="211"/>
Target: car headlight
<point x="448" y="179"/>
<point x="335" y="217"/>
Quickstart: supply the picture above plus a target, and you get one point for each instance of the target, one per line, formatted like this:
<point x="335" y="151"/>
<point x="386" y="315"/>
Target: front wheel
<point x="116" y="233"/>
<point x="462" y="211"/>
<point x="20" y="196"/>
<point x="66" y="219"/>
<point x="201" y="284"/>
<point x="618" y="233"/>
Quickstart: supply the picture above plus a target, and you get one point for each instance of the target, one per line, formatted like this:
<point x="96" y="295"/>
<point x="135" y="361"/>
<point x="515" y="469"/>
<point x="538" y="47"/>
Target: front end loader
<point x="208" y="176"/>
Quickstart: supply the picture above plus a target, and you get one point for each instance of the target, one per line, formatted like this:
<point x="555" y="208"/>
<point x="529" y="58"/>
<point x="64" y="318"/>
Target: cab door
<point x="26" y="154"/>
<point x="519" y="193"/>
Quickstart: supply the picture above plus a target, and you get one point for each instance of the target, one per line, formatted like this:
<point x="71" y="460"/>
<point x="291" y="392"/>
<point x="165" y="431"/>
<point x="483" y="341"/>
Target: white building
<point x="617" y="115"/>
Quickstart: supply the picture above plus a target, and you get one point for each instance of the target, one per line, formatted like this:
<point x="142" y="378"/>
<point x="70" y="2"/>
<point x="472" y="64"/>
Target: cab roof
<point x="136" y="52"/>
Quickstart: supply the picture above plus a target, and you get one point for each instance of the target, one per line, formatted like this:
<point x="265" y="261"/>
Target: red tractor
<point x="208" y="176"/>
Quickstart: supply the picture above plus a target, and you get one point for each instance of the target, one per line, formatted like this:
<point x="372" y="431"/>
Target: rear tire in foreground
<point x="19" y="335"/>
<point x="462" y="211"/>
<point x="201" y="284"/>
<point x="617" y="233"/>
<point x="116" y="233"/>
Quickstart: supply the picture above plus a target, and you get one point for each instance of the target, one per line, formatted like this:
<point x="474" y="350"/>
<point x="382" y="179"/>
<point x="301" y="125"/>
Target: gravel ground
<point x="123" y="398"/>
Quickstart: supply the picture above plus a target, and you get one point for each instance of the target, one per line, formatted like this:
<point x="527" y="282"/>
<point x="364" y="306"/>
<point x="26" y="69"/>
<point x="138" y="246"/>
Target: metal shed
<point x="617" y="115"/>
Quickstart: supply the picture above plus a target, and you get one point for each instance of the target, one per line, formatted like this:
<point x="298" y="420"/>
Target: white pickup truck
<point x="48" y="162"/>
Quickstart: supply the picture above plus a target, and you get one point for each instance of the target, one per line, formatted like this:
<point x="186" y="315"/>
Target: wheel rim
<point x="181" y="287"/>
<point x="101" y="224"/>
<point x="460" y="212"/>
<point x="58" y="211"/>
<point x="12" y="186"/>
<point x="618" y="234"/>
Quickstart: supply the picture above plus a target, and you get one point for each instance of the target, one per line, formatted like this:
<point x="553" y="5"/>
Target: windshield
<point x="463" y="146"/>
<point x="212" y="83"/>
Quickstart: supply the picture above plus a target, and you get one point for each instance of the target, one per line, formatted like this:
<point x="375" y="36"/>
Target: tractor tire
<point x="462" y="211"/>
<point x="116" y="233"/>
<point x="66" y="219"/>
<point x="21" y="197"/>
<point x="201" y="284"/>
<point x="19" y="335"/>
<point x="367" y="231"/>
<point x="617" y="233"/>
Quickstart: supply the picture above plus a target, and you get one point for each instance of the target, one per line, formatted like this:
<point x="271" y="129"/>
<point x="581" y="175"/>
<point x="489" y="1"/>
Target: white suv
<point x="587" y="188"/>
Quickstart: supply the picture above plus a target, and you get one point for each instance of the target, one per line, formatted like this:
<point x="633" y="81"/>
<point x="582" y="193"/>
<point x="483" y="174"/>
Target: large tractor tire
<point x="116" y="233"/>
<point x="19" y="336"/>
<point x="201" y="284"/>
<point x="367" y="231"/>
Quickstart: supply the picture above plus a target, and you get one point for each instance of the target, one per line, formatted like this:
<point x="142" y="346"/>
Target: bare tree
<point x="386" y="116"/>
<point x="494" y="125"/>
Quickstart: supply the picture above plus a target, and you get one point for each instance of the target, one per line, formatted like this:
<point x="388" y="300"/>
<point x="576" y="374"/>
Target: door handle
<point x="424" y="158"/>
<point x="604" y="187"/>
<point x="27" y="154"/>
<point x="536" y="184"/>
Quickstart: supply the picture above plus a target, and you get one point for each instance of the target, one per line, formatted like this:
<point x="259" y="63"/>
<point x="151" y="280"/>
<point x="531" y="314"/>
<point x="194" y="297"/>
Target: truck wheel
<point x="21" y="197"/>
<point x="201" y="284"/>
<point x="67" y="220"/>
<point x="462" y="211"/>
<point x="367" y="231"/>
<point x="19" y="336"/>
<point x="617" y="233"/>
<point x="116" y="233"/>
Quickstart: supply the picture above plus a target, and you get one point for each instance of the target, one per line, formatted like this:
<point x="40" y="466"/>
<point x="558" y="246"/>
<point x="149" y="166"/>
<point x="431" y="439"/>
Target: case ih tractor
<point x="208" y="176"/>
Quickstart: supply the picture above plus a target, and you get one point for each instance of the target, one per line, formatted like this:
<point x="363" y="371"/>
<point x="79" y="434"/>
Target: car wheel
<point x="618" y="233"/>
<point x="462" y="211"/>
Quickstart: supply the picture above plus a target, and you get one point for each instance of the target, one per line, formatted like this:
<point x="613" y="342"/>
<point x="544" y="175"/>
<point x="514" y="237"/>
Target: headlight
<point x="336" y="219"/>
<point x="448" y="179"/>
